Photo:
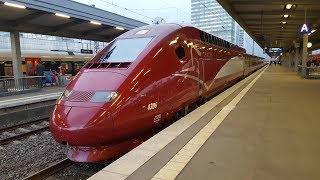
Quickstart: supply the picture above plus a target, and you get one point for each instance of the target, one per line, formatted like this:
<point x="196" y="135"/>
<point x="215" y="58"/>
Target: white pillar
<point x="16" y="54"/>
<point x="304" y="54"/>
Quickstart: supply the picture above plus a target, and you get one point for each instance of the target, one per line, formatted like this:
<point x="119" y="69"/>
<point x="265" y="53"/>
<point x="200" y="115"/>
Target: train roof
<point x="5" y="54"/>
<point x="167" y="28"/>
<point x="152" y="30"/>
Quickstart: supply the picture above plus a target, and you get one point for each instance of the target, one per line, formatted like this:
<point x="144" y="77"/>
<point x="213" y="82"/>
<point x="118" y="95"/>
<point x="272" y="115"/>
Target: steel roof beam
<point x="81" y="11"/>
<point x="67" y="25"/>
<point x="266" y="2"/>
<point x="93" y="31"/>
<point x="311" y="13"/>
<point x="38" y="29"/>
<point x="26" y="18"/>
<point x="271" y="26"/>
<point x="226" y="5"/>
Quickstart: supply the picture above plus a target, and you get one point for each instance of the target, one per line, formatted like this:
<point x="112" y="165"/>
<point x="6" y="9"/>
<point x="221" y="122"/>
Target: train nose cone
<point x="87" y="126"/>
<point x="57" y="121"/>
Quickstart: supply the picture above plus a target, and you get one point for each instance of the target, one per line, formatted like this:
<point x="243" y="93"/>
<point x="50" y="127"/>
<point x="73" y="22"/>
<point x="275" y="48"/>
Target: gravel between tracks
<point x="17" y="161"/>
<point x="78" y="171"/>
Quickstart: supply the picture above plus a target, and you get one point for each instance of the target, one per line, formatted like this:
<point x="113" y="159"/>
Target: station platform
<point x="264" y="127"/>
<point x="46" y="94"/>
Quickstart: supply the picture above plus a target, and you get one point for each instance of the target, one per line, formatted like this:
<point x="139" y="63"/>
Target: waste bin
<point x="65" y="79"/>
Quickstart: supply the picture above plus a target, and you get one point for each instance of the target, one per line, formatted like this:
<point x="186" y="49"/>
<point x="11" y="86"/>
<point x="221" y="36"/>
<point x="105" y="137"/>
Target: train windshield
<point x="125" y="50"/>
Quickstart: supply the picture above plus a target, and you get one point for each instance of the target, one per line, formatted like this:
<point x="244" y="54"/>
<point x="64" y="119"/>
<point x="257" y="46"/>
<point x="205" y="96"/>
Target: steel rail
<point x="21" y="136"/>
<point x="49" y="171"/>
<point x="22" y="125"/>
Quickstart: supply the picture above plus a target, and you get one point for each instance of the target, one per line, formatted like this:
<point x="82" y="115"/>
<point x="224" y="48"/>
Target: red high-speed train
<point x="141" y="80"/>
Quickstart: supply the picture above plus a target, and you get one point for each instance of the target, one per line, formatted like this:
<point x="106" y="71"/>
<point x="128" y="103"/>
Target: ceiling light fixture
<point x="120" y="28"/>
<point x="286" y="15"/>
<point x="284" y="22"/>
<point x="288" y="6"/>
<point x="62" y="15"/>
<point x="95" y="23"/>
<point x="15" y="5"/>
<point x="309" y="45"/>
<point x="314" y="30"/>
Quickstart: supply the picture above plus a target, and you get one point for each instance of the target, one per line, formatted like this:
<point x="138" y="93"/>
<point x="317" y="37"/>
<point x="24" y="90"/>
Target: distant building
<point x="240" y="36"/>
<point x="209" y="16"/>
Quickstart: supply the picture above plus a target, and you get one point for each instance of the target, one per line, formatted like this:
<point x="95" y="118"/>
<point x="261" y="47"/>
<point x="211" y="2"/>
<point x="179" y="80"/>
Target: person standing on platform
<point x="61" y="70"/>
<point x="39" y="69"/>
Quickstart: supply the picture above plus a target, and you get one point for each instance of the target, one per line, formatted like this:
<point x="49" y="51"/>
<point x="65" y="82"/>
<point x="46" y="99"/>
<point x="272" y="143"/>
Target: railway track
<point x="49" y="171"/>
<point x="24" y="132"/>
<point x="61" y="166"/>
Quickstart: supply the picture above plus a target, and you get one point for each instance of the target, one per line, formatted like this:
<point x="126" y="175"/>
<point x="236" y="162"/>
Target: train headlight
<point x="104" y="96"/>
<point x="64" y="96"/>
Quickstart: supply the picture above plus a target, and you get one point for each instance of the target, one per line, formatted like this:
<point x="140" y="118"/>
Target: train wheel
<point x="185" y="111"/>
<point x="200" y="102"/>
<point x="177" y="116"/>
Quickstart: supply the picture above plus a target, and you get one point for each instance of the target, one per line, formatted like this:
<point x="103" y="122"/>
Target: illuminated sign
<point x="86" y="51"/>
<point x="276" y="50"/>
<point x="305" y="29"/>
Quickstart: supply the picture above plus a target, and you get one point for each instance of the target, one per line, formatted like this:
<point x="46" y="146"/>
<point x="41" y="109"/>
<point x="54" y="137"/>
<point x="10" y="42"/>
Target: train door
<point x="208" y="71"/>
<point x="29" y="68"/>
<point x="188" y="84"/>
<point x="150" y="103"/>
<point x="1" y="68"/>
<point x="196" y="57"/>
<point x="30" y="65"/>
<point x="8" y="69"/>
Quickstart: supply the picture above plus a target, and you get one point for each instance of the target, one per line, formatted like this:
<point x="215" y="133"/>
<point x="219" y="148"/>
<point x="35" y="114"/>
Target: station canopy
<point x="63" y="18"/>
<point x="276" y="23"/>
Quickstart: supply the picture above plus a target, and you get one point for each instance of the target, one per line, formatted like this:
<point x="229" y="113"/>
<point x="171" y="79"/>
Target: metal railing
<point x="312" y="72"/>
<point x="5" y="77"/>
<point x="21" y="84"/>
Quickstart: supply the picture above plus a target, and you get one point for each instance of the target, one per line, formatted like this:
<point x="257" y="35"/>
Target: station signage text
<point x="305" y="29"/>
<point x="275" y="50"/>
<point x="86" y="51"/>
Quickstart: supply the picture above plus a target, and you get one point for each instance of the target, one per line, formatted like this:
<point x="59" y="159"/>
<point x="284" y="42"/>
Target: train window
<point x="214" y="40"/>
<point x="180" y="52"/>
<point x="125" y="50"/>
<point x="228" y="44"/>
<point x="202" y="36"/>
<point x="205" y="37"/>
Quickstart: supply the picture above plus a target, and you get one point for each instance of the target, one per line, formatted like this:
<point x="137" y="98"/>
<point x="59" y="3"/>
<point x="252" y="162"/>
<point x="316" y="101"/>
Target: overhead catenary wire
<point x="159" y="9"/>
<point x="145" y="9"/>
<point x="125" y="9"/>
<point x="187" y="13"/>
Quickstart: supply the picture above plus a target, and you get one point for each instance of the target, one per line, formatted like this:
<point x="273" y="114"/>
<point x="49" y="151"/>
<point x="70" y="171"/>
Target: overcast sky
<point x="146" y="10"/>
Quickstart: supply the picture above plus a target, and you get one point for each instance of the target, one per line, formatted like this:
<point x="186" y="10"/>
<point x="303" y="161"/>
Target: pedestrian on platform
<point x="39" y="69"/>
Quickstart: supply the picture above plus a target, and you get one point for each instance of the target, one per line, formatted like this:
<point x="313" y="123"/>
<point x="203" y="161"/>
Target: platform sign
<point x="305" y="28"/>
<point x="275" y="50"/>
<point x="86" y="51"/>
